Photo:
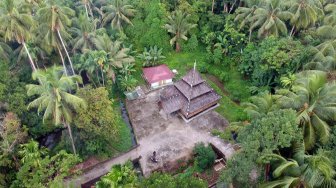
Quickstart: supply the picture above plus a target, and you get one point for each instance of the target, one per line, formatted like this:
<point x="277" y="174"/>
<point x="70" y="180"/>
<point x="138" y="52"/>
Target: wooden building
<point x="190" y="96"/>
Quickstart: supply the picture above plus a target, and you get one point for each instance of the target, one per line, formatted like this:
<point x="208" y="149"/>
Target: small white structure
<point x="158" y="76"/>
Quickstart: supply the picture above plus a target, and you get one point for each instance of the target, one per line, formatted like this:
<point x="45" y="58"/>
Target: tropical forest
<point x="167" y="93"/>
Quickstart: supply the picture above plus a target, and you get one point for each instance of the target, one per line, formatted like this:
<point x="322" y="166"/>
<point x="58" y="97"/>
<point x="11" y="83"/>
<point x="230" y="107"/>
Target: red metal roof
<point x="158" y="73"/>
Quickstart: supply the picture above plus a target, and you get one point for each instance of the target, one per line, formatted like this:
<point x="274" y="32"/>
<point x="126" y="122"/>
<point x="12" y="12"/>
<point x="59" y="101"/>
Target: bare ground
<point x="171" y="138"/>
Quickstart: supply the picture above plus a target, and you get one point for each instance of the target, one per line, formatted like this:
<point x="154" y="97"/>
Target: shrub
<point x="267" y="62"/>
<point x="205" y="156"/>
<point x="224" y="77"/>
<point x="204" y="69"/>
<point x="191" y="45"/>
<point x="151" y="56"/>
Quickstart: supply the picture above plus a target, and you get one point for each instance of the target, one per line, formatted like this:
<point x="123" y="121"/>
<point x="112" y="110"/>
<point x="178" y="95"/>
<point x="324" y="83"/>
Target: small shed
<point x="158" y="76"/>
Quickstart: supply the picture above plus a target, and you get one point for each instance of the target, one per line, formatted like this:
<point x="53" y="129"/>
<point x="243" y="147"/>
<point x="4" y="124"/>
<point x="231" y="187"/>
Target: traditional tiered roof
<point x="190" y="95"/>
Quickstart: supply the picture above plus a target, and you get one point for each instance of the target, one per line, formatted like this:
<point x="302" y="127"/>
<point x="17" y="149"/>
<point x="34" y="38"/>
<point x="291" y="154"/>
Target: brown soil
<point x="218" y="83"/>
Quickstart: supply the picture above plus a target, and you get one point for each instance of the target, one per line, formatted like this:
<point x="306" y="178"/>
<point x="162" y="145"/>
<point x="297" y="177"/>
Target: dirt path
<point x="218" y="83"/>
<point x="102" y="168"/>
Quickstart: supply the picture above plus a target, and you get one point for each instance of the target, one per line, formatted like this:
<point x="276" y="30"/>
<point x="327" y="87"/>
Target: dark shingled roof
<point x="188" y="97"/>
<point x="192" y="92"/>
<point x="193" y="78"/>
<point x="200" y="102"/>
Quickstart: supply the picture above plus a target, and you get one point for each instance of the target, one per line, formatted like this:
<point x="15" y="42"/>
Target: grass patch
<point x="124" y="142"/>
<point x="228" y="109"/>
<point x="233" y="81"/>
<point x="183" y="62"/>
<point x="138" y="73"/>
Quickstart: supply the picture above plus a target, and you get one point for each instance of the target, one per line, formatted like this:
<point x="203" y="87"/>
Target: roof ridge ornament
<point x="192" y="83"/>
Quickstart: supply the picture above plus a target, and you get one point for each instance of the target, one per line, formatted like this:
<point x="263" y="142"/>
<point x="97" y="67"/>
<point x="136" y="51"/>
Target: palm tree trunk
<point x="70" y="134"/>
<point x="213" y="5"/>
<point x="250" y="35"/>
<point x="292" y="31"/>
<point x="225" y="7"/>
<point x="97" y="74"/>
<point x="62" y="59"/>
<point x="91" y="80"/>
<point x="32" y="64"/>
<point x="102" y="75"/>
<point x="90" y="10"/>
<point x="86" y="11"/>
<point x="178" y="47"/>
<point x="267" y="169"/>
<point x="66" y="51"/>
<point x="16" y="162"/>
<point x="232" y="6"/>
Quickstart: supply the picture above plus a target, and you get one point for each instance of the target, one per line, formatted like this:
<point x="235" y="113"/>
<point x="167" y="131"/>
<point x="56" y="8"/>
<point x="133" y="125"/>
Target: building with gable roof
<point x="158" y="76"/>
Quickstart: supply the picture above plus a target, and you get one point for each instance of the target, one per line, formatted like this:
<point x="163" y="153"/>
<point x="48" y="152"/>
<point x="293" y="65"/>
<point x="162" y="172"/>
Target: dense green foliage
<point x="119" y="176"/>
<point x="282" y="53"/>
<point x="269" y="133"/>
<point x="168" y="181"/>
<point x="267" y="62"/>
<point x="125" y="176"/>
<point x="205" y="156"/>
<point x="39" y="169"/>
<point x="96" y="124"/>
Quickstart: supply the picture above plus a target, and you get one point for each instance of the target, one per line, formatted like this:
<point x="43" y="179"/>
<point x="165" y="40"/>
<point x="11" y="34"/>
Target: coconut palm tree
<point x="325" y="53"/>
<point x="305" y="13"/>
<point x="312" y="97"/>
<point x="302" y="171"/>
<point x="100" y="57"/>
<point x="178" y="25"/>
<point x="87" y="66"/>
<point x="325" y="56"/>
<point x="244" y="15"/>
<point x="33" y="5"/>
<point x="5" y="50"/>
<point x="270" y="19"/>
<point x="117" y="54"/>
<point x="16" y="25"/>
<point x="54" y="19"/>
<point x="87" y="6"/>
<point x="260" y="105"/>
<point x="330" y="17"/>
<point x="85" y="37"/>
<point x="54" y="97"/>
<point x="117" y="14"/>
<point x="36" y="53"/>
